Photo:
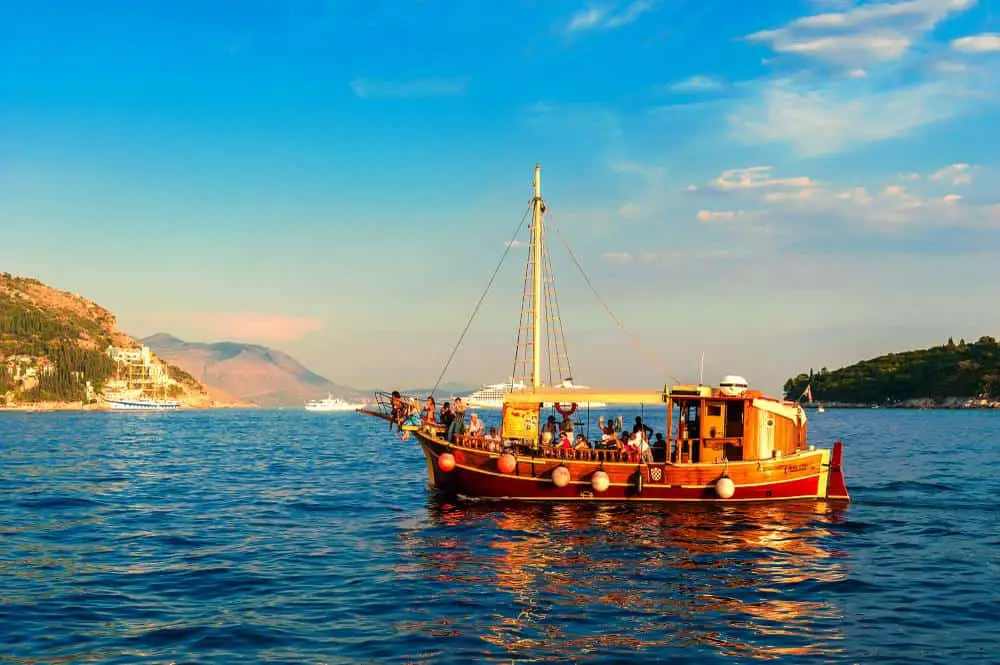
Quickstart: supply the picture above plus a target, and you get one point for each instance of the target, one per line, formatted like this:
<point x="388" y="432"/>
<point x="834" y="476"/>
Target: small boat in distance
<point x="491" y="396"/>
<point x="331" y="403"/>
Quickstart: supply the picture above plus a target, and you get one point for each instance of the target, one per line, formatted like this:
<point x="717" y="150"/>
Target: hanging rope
<point x="496" y="271"/>
<point x="649" y="356"/>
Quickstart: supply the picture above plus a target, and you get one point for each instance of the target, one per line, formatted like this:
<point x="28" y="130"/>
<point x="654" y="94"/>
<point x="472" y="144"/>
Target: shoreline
<point x="49" y="407"/>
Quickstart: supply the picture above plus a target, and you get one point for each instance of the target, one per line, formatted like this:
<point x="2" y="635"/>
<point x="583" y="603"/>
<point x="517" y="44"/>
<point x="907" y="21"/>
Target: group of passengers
<point x="408" y="415"/>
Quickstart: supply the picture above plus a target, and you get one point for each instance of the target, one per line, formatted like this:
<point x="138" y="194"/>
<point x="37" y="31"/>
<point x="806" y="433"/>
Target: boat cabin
<point x="703" y="424"/>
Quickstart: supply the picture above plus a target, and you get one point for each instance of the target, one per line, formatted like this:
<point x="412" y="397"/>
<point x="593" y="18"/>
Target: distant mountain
<point x="251" y="372"/>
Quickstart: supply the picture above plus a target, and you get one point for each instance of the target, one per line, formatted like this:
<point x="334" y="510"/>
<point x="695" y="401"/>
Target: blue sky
<point x="781" y="185"/>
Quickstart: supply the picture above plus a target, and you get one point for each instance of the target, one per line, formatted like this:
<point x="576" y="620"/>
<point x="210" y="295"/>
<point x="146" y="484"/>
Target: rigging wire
<point x="496" y="271"/>
<point x="649" y="356"/>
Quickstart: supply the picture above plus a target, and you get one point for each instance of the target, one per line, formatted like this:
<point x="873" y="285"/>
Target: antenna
<point x="701" y="371"/>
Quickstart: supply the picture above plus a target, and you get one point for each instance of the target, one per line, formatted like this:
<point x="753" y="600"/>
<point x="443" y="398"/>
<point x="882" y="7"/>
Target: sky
<point x="780" y="186"/>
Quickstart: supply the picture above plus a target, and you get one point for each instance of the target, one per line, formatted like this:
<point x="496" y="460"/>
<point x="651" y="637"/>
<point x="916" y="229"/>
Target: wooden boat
<point x="725" y="443"/>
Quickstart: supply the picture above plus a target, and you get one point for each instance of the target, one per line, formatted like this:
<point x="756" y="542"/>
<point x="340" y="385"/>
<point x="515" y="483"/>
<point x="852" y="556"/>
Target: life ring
<point x="566" y="411"/>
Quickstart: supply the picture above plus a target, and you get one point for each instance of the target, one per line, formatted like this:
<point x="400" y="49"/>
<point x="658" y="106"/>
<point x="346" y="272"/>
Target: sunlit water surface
<point x="282" y="536"/>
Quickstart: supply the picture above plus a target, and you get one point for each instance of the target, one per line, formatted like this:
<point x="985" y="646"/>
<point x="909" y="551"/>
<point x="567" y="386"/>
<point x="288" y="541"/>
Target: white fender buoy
<point x="560" y="476"/>
<point x="600" y="481"/>
<point x="725" y="487"/>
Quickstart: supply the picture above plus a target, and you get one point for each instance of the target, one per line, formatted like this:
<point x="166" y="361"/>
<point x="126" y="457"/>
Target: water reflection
<point x="749" y="581"/>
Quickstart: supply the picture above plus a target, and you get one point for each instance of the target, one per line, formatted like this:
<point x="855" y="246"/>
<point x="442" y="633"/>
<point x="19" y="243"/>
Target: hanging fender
<point x="566" y="410"/>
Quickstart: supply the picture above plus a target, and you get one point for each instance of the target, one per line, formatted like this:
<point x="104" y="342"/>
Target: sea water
<point x="284" y="536"/>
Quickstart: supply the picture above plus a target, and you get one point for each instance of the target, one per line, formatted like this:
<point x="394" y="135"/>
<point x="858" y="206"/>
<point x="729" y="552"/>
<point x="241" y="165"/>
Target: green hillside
<point x="53" y="343"/>
<point x="951" y="370"/>
<point x="60" y="347"/>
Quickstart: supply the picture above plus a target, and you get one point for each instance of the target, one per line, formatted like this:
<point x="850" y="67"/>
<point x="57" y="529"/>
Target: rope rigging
<point x="649" y="356"/>
<point x="496" y="271"/>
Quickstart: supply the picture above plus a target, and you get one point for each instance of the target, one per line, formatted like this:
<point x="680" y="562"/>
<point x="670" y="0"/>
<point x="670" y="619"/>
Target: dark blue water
<point x="310" y="538"/>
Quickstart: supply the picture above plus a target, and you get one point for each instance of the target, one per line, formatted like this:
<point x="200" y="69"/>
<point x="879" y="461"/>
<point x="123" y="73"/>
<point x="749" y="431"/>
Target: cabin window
<point x="734" y="419"/>
<point x="715" y="410"/>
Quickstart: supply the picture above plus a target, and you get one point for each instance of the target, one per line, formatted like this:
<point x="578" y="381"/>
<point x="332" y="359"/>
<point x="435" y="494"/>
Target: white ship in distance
<point x="491" y="396"/>
<point x="331" y="403"/>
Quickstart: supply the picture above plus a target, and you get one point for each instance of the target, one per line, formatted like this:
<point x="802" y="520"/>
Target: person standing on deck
<point x="457" y="425"/>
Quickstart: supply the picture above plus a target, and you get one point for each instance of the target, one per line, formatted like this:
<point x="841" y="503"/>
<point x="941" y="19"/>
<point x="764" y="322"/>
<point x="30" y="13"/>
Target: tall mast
<point x="536" y="290"/>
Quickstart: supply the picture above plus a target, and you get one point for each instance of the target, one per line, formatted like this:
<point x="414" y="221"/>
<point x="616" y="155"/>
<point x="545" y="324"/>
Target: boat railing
<point x="479" y="442"/>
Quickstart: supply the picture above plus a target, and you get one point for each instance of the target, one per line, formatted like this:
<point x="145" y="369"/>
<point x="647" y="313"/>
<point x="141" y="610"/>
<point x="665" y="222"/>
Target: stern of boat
<point x="833" y="475"/>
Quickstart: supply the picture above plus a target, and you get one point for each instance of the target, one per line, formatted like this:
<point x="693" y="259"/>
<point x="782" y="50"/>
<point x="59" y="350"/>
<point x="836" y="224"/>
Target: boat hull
<point x="814" y="474"/>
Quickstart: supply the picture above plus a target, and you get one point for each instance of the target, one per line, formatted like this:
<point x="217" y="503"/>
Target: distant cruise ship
<point x="331" y="403"/>
<point x="142" y="404"/>
<point x="491" y="396"/>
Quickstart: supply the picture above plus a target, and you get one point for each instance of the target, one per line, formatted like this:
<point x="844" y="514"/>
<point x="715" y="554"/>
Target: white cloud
<point x="515" y="243"/>
<point x="427" y="87"/>
<point x="957" y="174"/>
<point x="719" y="215"/>
<point x="801" y="195"/>
<point x="696" y="84"/>
<point x="985" y="43"/>
<point x="617" y="257"/>
<point x="857" y="73"/>
<point x="605" y="18"/>
<point x="891" y="210"/>
<point x="757" y="176"/>
<point x="873" y="32"/>
<point x="815" y="120"/>
<point x="950" y="67"/>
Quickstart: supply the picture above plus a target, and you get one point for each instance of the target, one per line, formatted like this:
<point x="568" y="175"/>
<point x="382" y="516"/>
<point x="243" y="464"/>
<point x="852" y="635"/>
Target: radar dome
<point x="733" y="385"/>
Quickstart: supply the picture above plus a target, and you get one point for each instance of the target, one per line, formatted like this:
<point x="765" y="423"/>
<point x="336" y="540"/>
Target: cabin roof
<point x="582" y="396"/>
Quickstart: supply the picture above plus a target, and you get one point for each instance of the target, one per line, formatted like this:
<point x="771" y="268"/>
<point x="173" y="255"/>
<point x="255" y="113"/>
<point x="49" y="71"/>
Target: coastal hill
<point x="935" y="375"/>
<point x="252" y="372"/>
<point x="54" y="351"/>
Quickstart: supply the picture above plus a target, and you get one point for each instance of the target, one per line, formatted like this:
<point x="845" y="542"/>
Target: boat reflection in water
<point x="754" y="581"/>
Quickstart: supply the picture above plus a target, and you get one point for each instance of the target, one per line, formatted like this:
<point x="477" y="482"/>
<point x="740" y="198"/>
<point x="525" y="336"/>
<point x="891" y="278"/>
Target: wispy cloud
<point x="720" y="215"/>
<point x="617" y="257"/>
<point x="757" y="176"/>
<point x="873" y="32"/>
<point x="985" y="43"/>
<point x="957" y="174"/>
<point x="606" y="17"/>
<point x="242" y="326"/>
<point x="425" y="87"/>
<point x="821" y="120"/>
<point x="696" y="84"/>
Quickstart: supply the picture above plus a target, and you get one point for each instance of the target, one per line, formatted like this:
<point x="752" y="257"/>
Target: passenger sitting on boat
<point x="564" y="441"/>
<point x="457" y="425"/>
<point x="581" y="443"/>
<point x="412" y="418"/>
<point x="398" y="408"/>
<point x="492" y="439"/>
<point x="428" y="413"/>
<point x="645" y="451"/>
<point x="660" y="448"/>
<point x="475" y="425"/>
